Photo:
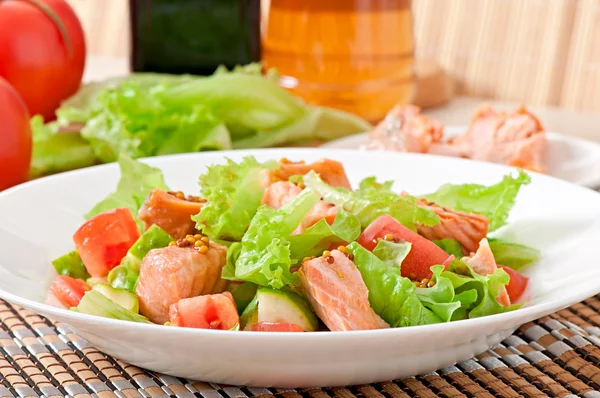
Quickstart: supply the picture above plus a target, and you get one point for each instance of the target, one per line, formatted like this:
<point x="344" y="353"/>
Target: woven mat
<point x="556" y="356"/>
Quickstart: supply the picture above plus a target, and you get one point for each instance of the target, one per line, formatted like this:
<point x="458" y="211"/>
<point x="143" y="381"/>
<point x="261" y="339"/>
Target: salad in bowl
<point x="289" y="246"/>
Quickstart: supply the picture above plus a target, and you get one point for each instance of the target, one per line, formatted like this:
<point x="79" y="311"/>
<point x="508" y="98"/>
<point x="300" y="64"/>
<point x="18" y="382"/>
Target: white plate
<point x="571" y="159"/>
<point x="38" y="218"/>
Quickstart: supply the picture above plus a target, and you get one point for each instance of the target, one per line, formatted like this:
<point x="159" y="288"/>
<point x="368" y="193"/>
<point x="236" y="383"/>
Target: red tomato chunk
<point x="517" y="285"/>
<point x="69" y="291"/>
<point x="104" y="240"/>
<point x="423" y="253"/>
<point x="211" y="311"/>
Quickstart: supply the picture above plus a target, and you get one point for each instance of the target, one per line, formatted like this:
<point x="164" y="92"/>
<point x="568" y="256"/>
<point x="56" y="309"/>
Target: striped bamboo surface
<point x="556" y="356"/>
<point x="539" y="52"/>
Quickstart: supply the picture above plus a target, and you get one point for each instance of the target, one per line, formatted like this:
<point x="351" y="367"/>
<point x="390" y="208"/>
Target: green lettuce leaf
<point x="60" y="152"/>
<point x="150" y="114"/>
<point x="391" y="296"/>
<point x="244" y="102"/>
<point x="55" y="151"/>
<point x="41" y="131"/>
<point x="137" y="181"/>
<point x="134" y="121"/>
<point x="319" y="124"/>
<point x="233" y="253"/>
<point x="513" y="255"/>
<point x="264" y="255"/>
<point x="494" y="201"/>
<point x="458" y="293"/>
<point x="369" y="203"/>
<point x="464" y="278"/>
<point x="450" y="246"/>
<point x="234" y="192"/>
<point x="81" y="106"/>
<point x="392" y="253"/>
<point x="372" y="183"/>
<point x="442" y="299"/>
<point x="315" y="239"/>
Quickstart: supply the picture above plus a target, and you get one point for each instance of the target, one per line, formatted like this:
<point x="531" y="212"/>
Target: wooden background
<point x="540" y="52"/>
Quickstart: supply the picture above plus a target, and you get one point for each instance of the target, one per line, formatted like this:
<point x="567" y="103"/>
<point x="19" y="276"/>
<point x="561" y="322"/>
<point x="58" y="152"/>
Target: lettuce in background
<point x="151" y="114"/>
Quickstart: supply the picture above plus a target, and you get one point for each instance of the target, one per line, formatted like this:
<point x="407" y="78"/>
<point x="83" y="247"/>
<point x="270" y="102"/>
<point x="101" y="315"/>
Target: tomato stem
<point x="59" y="24"/>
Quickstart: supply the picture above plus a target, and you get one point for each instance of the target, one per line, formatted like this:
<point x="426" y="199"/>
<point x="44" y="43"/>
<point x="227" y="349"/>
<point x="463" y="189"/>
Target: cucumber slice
<point x="94" y="281"/>
<point x="270" y="305"/>
<point x="285" y="306"/>
<point x="153" y="238"/>
<point x="243" y="294"/>
<point x="95" y="303"/>
<point x="126" y="274"/>
<point x="124" y="298"/>
<point x="70" y="264"/>
<point x="250" y="315"/>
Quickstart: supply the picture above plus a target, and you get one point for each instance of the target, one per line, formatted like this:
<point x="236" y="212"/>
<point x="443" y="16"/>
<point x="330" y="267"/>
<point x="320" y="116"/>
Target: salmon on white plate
<point x="292" y="246"/>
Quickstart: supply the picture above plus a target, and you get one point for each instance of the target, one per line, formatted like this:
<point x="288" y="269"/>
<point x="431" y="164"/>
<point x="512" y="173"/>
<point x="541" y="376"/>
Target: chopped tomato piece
<point x="211" y="311"/>
<point x="276" y="327"/>
<point x="68" y="291"/>
<point x="104" y="240"/>
<point x="517" y="285"/>
<point x="423" y="253"/>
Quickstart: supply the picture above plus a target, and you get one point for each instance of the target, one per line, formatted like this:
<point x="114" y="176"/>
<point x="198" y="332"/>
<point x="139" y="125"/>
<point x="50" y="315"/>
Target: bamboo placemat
<point x="556" y="356"/>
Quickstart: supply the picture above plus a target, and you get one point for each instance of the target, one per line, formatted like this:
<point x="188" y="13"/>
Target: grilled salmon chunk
<point x="405" y="129"/>
<point x="171" y="211"/>
<point x="331" y="171"/>
<point x="173" y="273"/>
<point x="468" y="229"/>
<point x="282" y="192"/>
<point x="516" y="139"/>
<point x="338" y="293"/>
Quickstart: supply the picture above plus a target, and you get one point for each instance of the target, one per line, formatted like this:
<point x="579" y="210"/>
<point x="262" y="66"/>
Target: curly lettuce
<point x="315" y="239"/>
<point x="369" y="202"/>
<point x="137" y="181"/>
<point x="456" y="293"/>
<point x="234" y="192"/>
<point x="493" y="201"/>
<point x="264" y="255"/>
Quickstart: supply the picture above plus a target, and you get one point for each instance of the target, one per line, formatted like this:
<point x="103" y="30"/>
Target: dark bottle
<point x="193" y="36"/>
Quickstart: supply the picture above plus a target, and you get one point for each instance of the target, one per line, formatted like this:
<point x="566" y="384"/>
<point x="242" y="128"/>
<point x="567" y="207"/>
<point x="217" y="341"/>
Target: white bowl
<point x="38" y="218"/>
<point x="571" y="159"/>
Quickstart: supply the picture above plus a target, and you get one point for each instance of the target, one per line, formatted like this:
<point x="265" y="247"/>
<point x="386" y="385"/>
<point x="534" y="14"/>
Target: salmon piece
<point x="173" y="273"/>
<point x="338" y="294"/>
<point x="319" y="211"/>
<point x="171" y="211"/>
<point x="466" y="228"/>
<point x="405" y="129"/>
<point x="282" y="192"/>
<point x="516" y="139"/>
<point x="330" y="171"/>
<point x="483" y="263"/>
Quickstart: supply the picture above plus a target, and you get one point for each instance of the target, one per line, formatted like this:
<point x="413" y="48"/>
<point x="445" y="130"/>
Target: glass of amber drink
<point x="354" y="55"/>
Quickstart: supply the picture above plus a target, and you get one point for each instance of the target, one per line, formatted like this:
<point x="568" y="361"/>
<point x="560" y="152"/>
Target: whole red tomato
<point x="15" y="137"/>
<point x="42" y="52"/>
